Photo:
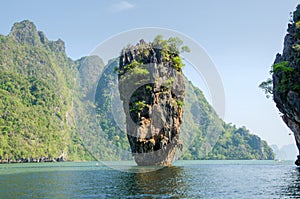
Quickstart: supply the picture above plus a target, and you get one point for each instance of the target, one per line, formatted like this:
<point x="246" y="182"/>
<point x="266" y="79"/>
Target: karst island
<point x="151" y="86"/>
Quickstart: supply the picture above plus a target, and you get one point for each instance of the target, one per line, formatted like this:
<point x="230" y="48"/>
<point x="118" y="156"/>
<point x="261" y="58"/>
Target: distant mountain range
<point x="286" y="152"/>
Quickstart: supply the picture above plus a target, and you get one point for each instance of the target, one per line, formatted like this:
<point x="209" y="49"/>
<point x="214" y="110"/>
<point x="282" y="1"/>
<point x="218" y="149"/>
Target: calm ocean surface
<point x="186" y="179"/>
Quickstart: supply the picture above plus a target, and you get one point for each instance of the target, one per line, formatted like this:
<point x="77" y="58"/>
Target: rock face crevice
<point x="152" y="90"/>
<point x="286" y="78"/>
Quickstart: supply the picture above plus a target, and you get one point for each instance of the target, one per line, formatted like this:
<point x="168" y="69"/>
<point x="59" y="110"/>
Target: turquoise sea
<point x="186" y="179"/>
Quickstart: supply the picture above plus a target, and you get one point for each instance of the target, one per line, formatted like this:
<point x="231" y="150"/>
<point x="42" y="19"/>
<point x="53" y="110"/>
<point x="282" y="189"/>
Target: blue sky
<point x="241" y="37"/>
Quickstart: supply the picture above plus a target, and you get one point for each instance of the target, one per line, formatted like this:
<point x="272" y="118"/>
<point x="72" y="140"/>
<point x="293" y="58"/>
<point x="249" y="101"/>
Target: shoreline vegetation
<point x="30" y="160"/>
<point x="61" y="158"/>
<point x="200" y="161"/>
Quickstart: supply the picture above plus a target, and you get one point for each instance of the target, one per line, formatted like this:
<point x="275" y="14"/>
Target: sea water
<point x="186" y="179"/>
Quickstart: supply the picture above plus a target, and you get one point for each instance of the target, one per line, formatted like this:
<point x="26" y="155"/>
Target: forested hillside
<point x="39" y="90"/>
<point x="36" y="82"/>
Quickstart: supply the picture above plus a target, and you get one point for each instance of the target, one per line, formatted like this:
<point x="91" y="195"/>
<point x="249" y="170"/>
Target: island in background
<point x="37" y="100"/>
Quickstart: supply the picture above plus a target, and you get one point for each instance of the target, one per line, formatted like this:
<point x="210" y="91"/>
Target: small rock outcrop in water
<point x="152" y="90"/>
<point x="286" y="79"/>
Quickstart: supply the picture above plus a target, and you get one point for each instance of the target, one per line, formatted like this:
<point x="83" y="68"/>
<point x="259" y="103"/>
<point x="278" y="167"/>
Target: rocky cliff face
<point x="152" y="90"/>
<point x="286" y="78"/>
<point x="25" y="32"/>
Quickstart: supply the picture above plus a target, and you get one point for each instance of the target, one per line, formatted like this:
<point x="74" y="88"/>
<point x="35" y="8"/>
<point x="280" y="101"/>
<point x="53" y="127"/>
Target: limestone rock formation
<point x="25" y="32"/>
<point x="286" y="78"/>
<point x="152" y="89"/>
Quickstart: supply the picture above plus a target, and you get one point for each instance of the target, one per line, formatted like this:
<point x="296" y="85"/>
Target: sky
<point x="241" y="38"/>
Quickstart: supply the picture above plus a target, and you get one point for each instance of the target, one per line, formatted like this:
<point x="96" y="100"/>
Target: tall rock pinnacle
<point x="152" y="90"/>
<point x="286" y="78"/>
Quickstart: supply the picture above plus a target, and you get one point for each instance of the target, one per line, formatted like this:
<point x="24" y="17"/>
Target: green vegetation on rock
<point x="285" y="83"/>
<point x="38" y="96"/>
<point x="284" y="70"/>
